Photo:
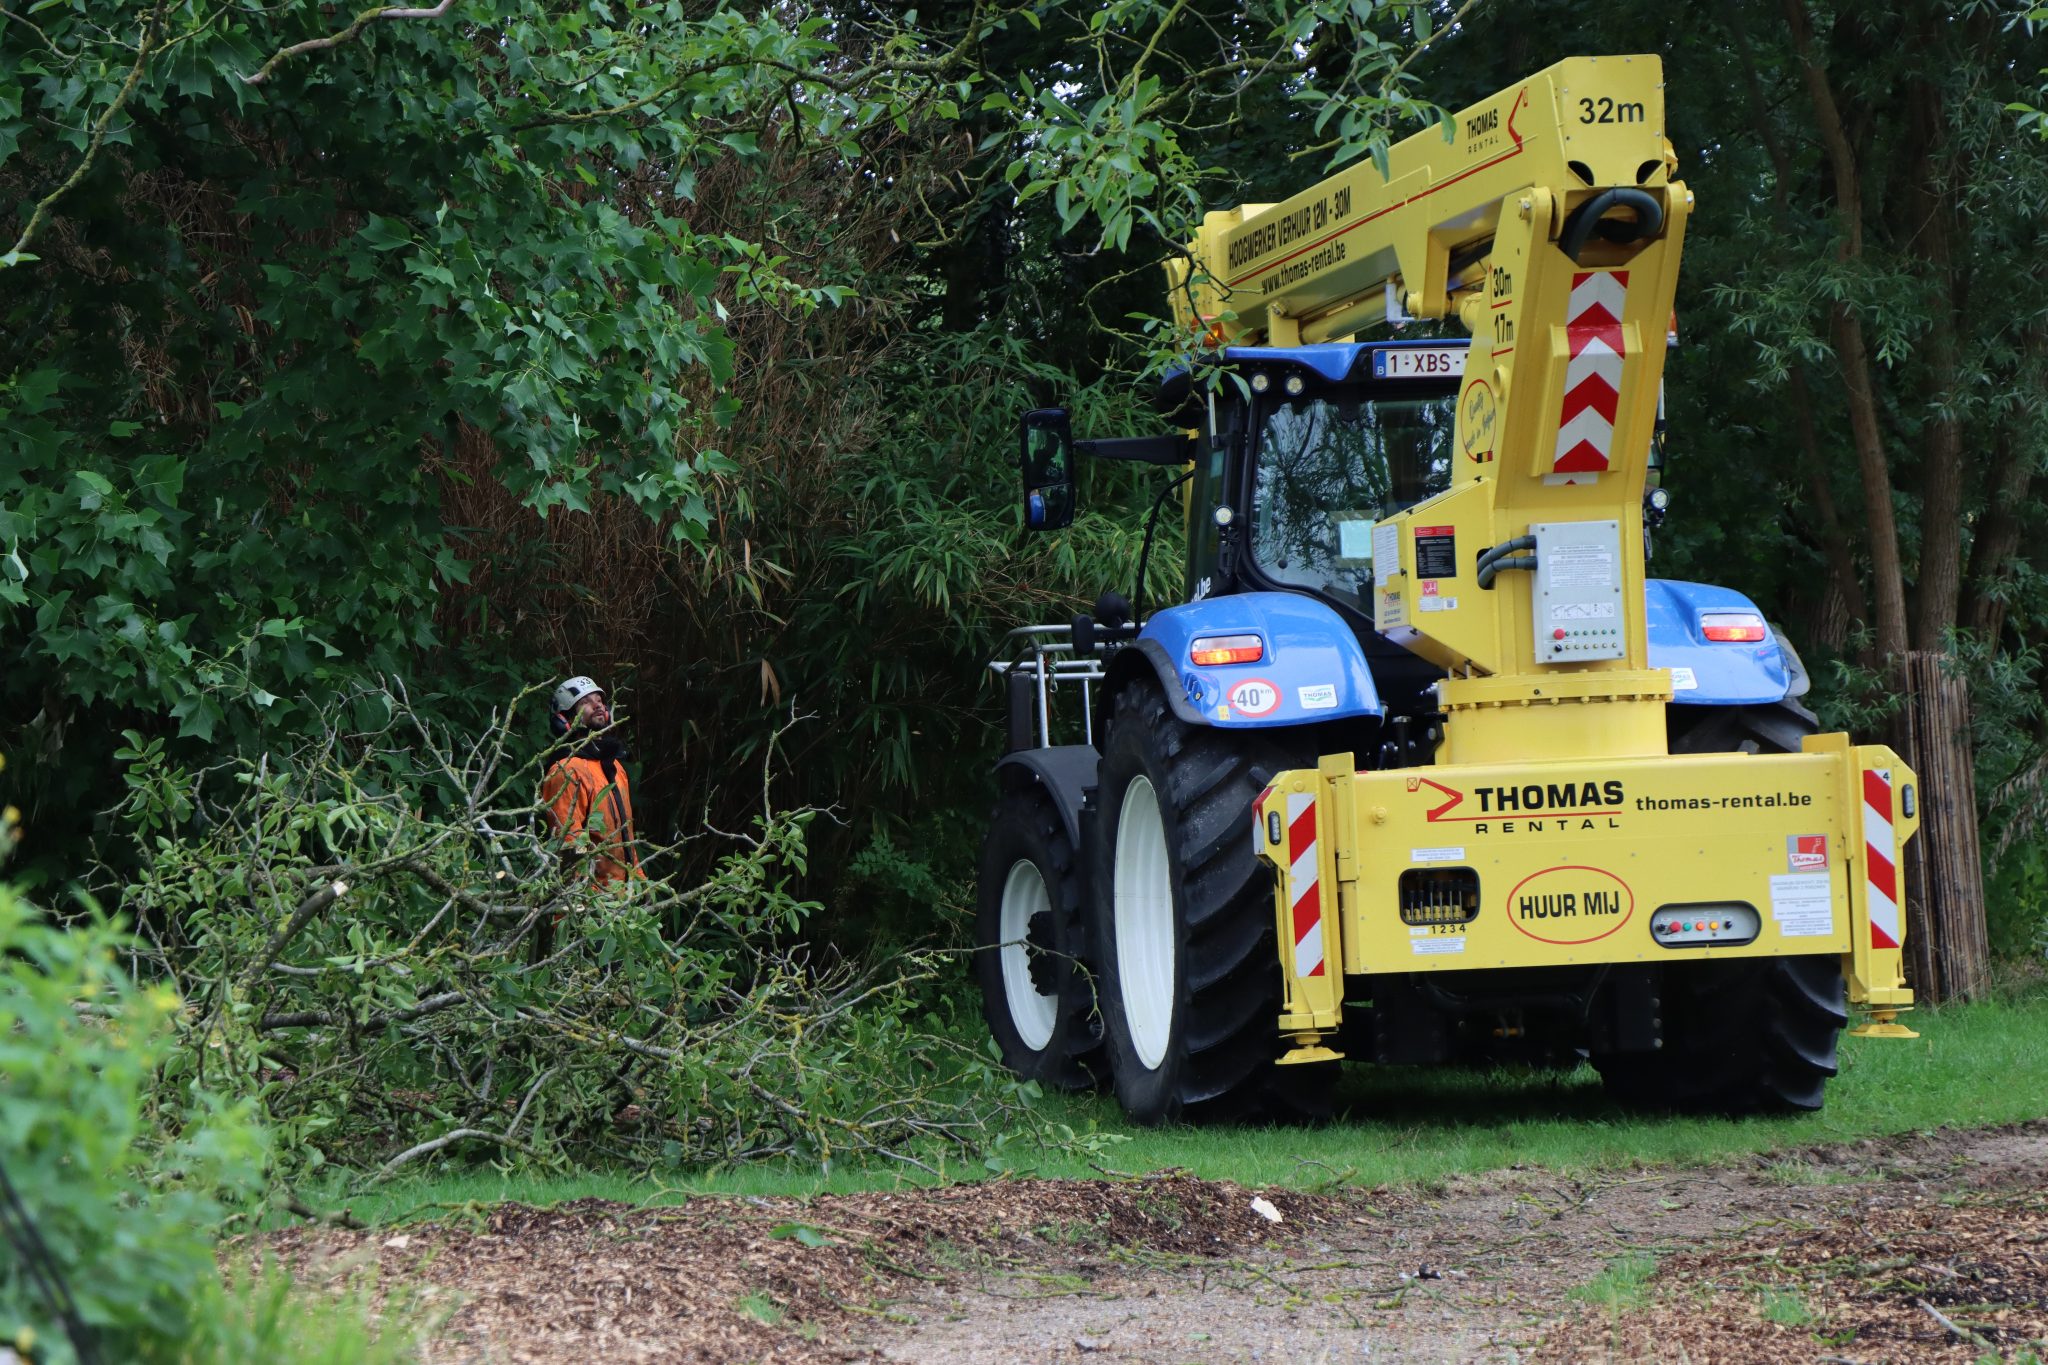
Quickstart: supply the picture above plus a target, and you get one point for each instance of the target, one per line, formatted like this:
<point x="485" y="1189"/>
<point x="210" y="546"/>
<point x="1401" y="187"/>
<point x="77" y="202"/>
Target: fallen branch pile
<point x="380" y="941"/>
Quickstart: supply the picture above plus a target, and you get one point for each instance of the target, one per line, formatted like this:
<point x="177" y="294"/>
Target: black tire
<point x="1752" y="1035"/>
<point x="1037" y="992"/>
<point x="1195" y="1037"/>
<point x="1748" y="1034"/>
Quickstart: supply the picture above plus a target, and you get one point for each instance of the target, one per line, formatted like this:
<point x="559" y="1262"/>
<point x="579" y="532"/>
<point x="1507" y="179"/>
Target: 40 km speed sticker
<point x="1254" y="697"/>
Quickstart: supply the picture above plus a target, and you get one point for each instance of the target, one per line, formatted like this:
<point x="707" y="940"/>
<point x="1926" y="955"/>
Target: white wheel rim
<point x="1144" y="922"/>
<point x="1031" y="1012"/>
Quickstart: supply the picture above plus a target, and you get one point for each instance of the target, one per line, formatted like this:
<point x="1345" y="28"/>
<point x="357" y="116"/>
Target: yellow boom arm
<point x="1549" y="226"/>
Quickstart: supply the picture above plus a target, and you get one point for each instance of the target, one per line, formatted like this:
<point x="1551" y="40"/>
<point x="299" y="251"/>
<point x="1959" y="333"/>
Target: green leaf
<point x="803" y="1233"/>
<point x="385" y="234"/>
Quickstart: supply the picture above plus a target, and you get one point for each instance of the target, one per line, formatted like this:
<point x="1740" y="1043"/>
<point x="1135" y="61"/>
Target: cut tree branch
<point x="433" y="1004"/>
<point x="309" y="907"/>
<point x="447" y="1139"/>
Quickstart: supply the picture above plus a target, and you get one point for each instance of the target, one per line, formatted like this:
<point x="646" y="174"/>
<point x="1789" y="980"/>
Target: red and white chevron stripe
<point x="1880" y="855"/>
<point x="1304" y="887"/>
<point x="1592" y="377"/>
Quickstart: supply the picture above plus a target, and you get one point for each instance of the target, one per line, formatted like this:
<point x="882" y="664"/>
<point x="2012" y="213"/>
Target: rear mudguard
<point x="1311" y="666"/>
<point x="1065" y="773"/>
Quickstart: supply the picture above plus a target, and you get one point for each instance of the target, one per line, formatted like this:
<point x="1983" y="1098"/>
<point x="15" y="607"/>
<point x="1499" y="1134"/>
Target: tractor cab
<point x="1330" y="439"/>
<point x="1292" y="455"/>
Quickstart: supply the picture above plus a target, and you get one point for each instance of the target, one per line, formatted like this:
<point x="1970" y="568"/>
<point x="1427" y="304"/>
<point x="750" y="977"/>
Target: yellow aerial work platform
<point x="1553" y="829"/>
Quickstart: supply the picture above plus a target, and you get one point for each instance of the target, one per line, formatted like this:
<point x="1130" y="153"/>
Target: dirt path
<point x="1909" y="1249"/>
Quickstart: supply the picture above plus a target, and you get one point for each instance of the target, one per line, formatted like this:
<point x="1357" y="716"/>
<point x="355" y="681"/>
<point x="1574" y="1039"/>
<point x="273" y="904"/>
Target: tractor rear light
<point x="1733" y="627"/>
<point x="1211" y="650"/>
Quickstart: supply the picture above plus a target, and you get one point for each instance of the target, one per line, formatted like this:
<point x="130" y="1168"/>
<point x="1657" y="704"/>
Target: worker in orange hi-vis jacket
<point x="588" y="800"/>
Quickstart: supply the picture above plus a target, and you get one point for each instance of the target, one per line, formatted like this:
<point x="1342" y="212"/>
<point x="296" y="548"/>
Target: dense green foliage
<point x="478" y="344"/>
<point x="123" y="1221"/>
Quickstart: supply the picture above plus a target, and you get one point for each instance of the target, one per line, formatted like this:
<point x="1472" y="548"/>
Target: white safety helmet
<point x="573" y="691"/>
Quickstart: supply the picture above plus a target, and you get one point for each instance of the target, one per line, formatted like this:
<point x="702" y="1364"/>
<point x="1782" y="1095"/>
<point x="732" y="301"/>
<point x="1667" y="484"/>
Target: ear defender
<point x="558" y="724"/>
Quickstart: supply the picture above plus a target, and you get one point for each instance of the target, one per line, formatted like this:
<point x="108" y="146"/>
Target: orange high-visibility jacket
<point x="592" y="812"/>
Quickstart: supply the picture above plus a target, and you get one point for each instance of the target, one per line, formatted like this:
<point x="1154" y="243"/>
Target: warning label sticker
<point x="1436" y="552"/>
<point x="1431" y="942"/>
<point x="1803" y="906"/>
<point x="1580" y="566"/>
<point x="1386" y="551"/>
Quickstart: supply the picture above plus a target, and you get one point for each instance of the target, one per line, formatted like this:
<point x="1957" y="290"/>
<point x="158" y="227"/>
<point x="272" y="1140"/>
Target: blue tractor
<point x="1175" y="717"/>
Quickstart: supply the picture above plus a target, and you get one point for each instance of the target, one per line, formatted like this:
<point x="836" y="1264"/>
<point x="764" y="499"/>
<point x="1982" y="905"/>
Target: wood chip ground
<point x="1926" y="1248"/>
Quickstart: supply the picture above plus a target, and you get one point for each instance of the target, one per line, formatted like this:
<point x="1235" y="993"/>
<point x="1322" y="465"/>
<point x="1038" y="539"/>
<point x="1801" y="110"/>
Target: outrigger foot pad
<point x="1882" y="1024"/>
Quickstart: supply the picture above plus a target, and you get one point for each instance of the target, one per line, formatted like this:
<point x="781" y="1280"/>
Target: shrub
<point x="113" y="1183"/>
<point x="109" y="1217"/>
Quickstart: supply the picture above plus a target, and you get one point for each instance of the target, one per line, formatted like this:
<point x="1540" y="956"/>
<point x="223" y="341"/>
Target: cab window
<point x="1329" y="466"/>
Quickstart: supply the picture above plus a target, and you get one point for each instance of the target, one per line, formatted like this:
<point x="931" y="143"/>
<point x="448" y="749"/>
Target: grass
<point x="1974" y="1066"/>
<point x="1623" y="1285"/>
<point x="1786" y="1308"/>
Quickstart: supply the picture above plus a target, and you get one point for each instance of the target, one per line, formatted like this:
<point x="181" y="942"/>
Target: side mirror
<point x="1046" y="451"/>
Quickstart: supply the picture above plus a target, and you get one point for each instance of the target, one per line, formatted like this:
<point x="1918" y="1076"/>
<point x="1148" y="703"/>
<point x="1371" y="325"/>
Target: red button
<point x="1557" y="634"/>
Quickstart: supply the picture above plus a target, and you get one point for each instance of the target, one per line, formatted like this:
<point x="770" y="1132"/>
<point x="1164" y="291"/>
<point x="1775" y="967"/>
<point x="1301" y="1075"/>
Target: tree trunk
<point x="1928" y="202"/>
<point x="1852" y="354"/>
<point x="1948" y="951"/>
<point x="1998" y="540"/>
<point x="1841" y="604"/>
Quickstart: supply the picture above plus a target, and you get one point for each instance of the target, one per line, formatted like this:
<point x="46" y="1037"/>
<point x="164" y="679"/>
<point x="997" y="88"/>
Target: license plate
<point x="1419" y="362"/>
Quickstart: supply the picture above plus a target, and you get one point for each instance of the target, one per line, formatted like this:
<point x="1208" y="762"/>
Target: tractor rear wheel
<point x="1037" y="993"/>
<point x="1745" y="1034"/>
<point x="1184" y="926"/>
<point x="1741" y="1036"/>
